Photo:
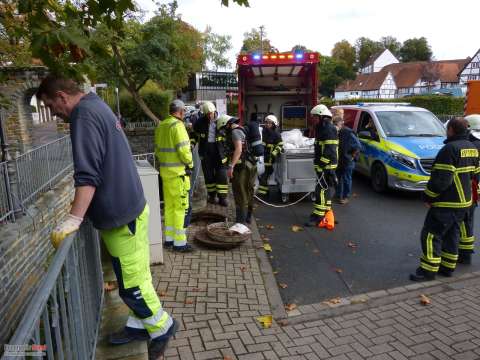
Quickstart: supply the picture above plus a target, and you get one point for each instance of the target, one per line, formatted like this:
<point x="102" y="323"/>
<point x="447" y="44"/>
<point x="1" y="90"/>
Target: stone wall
<point x="141" y="140"/>
<point x="25" y="252"/>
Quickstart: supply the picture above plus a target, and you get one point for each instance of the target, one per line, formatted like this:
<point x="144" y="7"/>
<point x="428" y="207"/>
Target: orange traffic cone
<point x="328" y="221"/>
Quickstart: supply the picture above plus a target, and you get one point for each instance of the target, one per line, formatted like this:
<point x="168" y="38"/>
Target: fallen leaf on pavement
<point x="283" y="285"/>
<point x="352" y="245"/>
<point x="267" y="247"/>
<point x="269" y="227"/>
<point x="265" y="321"/>
<point x="290" y="307"/>
<point x="425" y="300"/>
<point x="296" y="228"/>
<point x="338" y="270"/>
<point x="162" y="293"/>
<point x="227" y="358"/>
<point x="110" y="285"/>
<point x="189" y="301"/>
<point x="282" y="322"/>
<point x="333" y="301"/>
<point x="243" y="268"/>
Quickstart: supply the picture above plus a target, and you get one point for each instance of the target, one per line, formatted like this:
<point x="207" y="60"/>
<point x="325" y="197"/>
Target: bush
<point x="155" y="98"/>
<point x="438" y="105"/>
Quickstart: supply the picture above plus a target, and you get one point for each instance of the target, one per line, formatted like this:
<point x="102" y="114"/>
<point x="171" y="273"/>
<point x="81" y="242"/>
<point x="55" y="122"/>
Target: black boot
<point x="212" y="198"/>
<point x="222" y="201"/>
<point x="240" y="215"/>
<point x="444" y="271"/>
<point x="313" y="220"/>
<point x="422" y="275"/>
<point x="464" y="258"/>
<point x="157" y="346"/>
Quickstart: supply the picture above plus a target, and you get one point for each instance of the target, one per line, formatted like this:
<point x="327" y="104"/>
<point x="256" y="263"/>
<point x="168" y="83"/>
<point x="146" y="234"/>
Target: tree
<point x="416" y="49"/>
<point x="392" y="44"/>
<point x="332" y="72"/>
<point x="344" y="51"/>
<point x="63" y="35"/>
<point x="215" y="48"/>
<point x="252" y="41"/>
<point x="365" y="49"/>
<point x="300" y="48"/>
<point x="14" y="49"/>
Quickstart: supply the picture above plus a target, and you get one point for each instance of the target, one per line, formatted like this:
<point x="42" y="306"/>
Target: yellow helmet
<point x="208" y="107"/>
<point x="321" y="110"/>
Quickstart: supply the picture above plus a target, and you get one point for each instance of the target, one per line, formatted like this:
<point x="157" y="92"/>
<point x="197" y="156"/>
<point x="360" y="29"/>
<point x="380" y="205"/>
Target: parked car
<point x="400" y="143"/>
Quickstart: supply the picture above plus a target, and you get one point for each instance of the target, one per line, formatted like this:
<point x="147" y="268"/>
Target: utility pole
<point x="261" y="38"/>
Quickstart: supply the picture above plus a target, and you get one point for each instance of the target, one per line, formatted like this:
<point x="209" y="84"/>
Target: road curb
<point x="271" y="286"/>
<point x="343" y="306"/>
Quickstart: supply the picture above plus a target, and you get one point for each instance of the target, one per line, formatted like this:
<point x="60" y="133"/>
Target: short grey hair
<point x="176" y="106"/>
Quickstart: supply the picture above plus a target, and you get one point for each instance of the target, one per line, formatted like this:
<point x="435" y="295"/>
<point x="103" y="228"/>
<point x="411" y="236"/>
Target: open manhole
<point x="204" y="218"/>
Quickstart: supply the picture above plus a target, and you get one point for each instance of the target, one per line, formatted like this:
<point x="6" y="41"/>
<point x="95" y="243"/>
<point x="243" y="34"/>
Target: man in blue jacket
<point x="108" y="191"/>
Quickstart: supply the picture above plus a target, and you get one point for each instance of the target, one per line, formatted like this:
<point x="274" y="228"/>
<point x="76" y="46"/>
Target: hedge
<point x="156" y="99"/>
<point x="439" y="105"/>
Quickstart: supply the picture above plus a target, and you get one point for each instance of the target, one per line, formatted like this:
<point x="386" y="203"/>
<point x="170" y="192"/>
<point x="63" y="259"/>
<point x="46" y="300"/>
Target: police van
<point x="400" y="143"/>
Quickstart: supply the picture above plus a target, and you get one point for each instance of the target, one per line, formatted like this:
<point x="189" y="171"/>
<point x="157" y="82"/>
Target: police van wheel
<point x="379" y="178"/>
<point x="284" y="198"/>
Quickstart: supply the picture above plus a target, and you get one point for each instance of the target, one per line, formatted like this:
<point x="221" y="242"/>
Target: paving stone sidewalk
<point x="216" y="296"/>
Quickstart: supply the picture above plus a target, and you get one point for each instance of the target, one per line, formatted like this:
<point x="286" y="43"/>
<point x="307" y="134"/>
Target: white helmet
<point x="208" y="107"/>
<point x="321" y="110"/>
<point x="223" y="121"/>
<point x="474" y="124"/>
<point x="272" y="118"/>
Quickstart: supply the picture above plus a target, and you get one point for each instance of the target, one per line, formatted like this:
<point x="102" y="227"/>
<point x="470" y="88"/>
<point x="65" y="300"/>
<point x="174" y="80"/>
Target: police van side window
<point x="366" y="124"/>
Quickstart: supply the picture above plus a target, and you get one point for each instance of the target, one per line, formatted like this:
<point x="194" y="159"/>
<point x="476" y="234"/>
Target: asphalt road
<point x="375" y="245"/>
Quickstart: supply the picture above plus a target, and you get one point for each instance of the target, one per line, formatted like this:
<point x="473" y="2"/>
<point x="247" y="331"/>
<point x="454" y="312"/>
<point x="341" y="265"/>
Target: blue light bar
<point x="298" y="56"/>
<point x="256" y="57"/>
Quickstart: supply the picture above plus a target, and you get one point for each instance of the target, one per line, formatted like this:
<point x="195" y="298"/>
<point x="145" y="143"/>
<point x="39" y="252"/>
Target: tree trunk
<point x="138" y="99"/>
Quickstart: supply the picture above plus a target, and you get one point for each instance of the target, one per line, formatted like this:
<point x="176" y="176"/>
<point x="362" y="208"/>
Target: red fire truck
<point x="283" y="84"/>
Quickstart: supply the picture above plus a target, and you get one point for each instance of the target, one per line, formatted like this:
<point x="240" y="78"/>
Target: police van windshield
<point x="410" y="123"/>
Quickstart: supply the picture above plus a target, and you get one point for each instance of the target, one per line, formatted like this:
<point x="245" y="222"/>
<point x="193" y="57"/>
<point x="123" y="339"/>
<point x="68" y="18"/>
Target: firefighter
<point x="213" y="165"/>
<point x="242" y="169"/>
<point x="273" y="145"/>
<point x="172" y="149"/>
<point x="448" y="196"/>
<point x="467" y="239"/>
<point x="325" y="162"/>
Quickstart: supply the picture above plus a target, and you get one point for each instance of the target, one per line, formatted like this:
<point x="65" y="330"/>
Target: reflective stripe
<point x="449" y="264"/>
<point x="134" y="323"/>
<point x="327" y="142"/>
<point x="466" y="246"/>
<point x="173" y="164"/>
<point x="431" y="193"/>
<point x="428" y="267"/>
<point x="434" y="261"/>
<point x="463" y="230"/>
<point x="331" y="167"/>
<point x="466" y="169"/>
<point x="182" y="143"/>
<point x="459" y="187"/>
<point x="180" y="232"/>
<point x="167" y="150"/>
<point x="164" y="329"/>
<point x="452" y="204"/>
<point x="449" y="256"/>
<point x="318" y="212"/>
<point x="325" y="160"/>
<point x="430" y="247"/>
<point x="168" y="239"/>
<point x="169" y="228"/>
<point x="445" y="167"/>
<point x="224" y="161"/>
<point x="136" y="292"/>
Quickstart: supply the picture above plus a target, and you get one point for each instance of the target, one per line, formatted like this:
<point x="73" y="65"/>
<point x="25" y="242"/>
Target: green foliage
<point x="416" y="49"/>
<point x="300" y="48"/>
<point x="437" y="104"/>
<point x="365" y="48"/>
<point x="155" y="98"/>
<point x="331" y="73"/>
<point x="239" y="2"/>
<point x="252" y="42"/>
<point x="232" y="107"/>
<point x="391" y="43"/>
<point x="345" y="52"/>
<point x="215" y="48"/>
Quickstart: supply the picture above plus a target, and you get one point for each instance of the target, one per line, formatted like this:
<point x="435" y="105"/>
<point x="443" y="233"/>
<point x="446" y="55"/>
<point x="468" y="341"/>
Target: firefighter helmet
<point x="272" y="118"/>
<point x="208" y="107"/>
<point x="321" y="110"/>
<point x="474" y="124"/>
<point x="223" y="120"/>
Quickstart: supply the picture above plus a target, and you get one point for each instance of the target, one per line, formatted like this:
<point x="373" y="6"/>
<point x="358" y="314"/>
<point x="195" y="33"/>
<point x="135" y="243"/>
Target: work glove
<point x="65" y="228"/>
<point x="188" y="171"/>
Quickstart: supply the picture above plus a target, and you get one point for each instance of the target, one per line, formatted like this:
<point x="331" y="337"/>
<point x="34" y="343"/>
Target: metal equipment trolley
<point x="295" y="172"/>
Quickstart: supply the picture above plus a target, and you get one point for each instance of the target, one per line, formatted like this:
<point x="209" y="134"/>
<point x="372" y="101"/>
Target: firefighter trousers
<point x="263" y="180"/>
<point x="176" y="202"/>
<point x="467" y="238"/>
<point x="243" y="183"/>
<point x="440" y="239"/>
<point x="214" y="172"/>
<point x="129" y="247"/>
<point x="323" y="196"/>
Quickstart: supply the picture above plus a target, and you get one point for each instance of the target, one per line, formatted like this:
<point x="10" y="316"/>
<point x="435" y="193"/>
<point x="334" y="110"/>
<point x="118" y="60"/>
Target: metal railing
<point x="150" y="157"/>
<point x="63" y="317"/>
<point x="140" y="125"/>
<point x="39" y="169"/>
<point x="6" y="205"/>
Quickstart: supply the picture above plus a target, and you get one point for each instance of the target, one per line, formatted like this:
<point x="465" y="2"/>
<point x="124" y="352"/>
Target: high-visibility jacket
<point x="172" y="148"/>
<point x="450" y="184"/>
<point x="272" y="141"/>
<point x="326" y="146"/>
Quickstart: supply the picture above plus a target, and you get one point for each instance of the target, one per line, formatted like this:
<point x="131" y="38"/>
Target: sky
<point x="451" y="27"/>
